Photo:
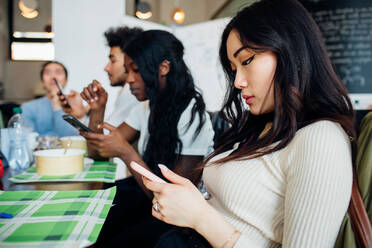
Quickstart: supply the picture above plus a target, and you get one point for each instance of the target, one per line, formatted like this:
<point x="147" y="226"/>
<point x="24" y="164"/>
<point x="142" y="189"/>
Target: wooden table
<point x="7" y="185"/>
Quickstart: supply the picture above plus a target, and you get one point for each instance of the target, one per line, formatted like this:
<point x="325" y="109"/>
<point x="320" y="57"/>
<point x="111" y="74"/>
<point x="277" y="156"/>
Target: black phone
<point x="76" y="123"/>
<point x="61" y="92"/>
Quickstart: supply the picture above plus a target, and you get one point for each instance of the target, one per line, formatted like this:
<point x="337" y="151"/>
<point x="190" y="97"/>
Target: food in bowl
<point x="59" y="162"/>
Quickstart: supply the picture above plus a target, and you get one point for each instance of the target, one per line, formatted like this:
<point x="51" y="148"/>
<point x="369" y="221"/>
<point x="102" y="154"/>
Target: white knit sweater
<point x="295" y="197"/>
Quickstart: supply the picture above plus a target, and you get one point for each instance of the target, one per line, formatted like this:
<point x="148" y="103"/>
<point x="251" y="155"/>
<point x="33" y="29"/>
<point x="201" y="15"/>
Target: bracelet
<point x="231" y="238"/>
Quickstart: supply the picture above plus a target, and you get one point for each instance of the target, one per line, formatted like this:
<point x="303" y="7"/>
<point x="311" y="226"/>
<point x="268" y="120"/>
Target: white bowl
<point x="54" y="162"/>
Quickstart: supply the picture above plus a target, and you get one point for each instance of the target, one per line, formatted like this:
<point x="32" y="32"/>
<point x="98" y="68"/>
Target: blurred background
<point x="71" y="31"/>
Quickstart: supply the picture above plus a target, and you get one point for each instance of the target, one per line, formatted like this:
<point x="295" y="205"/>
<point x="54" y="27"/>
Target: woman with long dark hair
<point x="281" y="176"/>
<point x="172" y="126"/>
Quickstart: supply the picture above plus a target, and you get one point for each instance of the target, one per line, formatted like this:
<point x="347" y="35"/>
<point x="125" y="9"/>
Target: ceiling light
<point x="143" y="10"/>
<point x="27" y="5"/>
<point x="30" y="15"/>
<point x="178" y="15"/>
<point x="28" y="8"/>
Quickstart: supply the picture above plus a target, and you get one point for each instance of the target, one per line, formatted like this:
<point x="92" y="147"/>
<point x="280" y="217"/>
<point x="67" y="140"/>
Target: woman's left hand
<point x="108" y="145"/>
<point x="179" y="203"/>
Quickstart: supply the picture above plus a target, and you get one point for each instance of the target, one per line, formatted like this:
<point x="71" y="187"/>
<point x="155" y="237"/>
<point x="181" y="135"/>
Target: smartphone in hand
<point x="76" y="123"/>
<point x="146" y="173"/>
<point x="61" y="92"/>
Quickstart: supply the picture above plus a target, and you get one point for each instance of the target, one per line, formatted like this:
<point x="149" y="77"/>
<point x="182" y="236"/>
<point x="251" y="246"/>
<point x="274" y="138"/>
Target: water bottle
<point x="19" y="155"/>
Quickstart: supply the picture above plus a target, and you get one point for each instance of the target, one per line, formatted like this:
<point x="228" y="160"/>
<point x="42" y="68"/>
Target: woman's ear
<point x="164" y="68"/>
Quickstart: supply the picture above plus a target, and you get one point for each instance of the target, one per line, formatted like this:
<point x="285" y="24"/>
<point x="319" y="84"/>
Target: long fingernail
<point x="96" y="98"/>
<point x="163" y="167"/>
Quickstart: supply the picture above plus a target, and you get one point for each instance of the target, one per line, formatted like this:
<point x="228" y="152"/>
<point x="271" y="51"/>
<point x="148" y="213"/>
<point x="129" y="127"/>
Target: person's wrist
<point x="129" y="154"/>
<point x="222" y="234"/>
<point x="87" y="110"/>
<point x="205" y="215"/>
<point x="97" y="109"/>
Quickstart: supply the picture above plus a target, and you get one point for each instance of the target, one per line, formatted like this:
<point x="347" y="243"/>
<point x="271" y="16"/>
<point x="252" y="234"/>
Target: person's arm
<point x="62" y="127"/>
<point x="95" y="119"/>
<point x="116" y="144"/>
<point x="318" y="192"/>
<point x="96" y="97"/>
<point x="181" y="204"/>
<point x="319" y="181"/>
<point x="28" y="115"/>
<point x="109" y="145"/>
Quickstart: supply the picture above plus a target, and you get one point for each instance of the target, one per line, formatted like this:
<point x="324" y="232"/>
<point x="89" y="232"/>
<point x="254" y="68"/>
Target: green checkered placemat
<point x="99" y="171"/>
<point x="53" y="218"/>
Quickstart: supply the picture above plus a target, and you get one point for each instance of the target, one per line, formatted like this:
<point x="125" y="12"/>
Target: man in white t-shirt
<point x="116" y="40"/>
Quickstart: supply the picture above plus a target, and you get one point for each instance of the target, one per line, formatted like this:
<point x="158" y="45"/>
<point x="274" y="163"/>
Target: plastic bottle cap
<point x="17" y="110"/>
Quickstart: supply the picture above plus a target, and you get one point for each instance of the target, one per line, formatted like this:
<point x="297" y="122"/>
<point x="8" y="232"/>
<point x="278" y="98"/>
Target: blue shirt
<point x="41" y="117"/>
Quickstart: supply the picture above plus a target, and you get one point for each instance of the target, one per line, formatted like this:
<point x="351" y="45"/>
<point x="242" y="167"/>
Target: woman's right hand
<point x="95" y="95"/>
<point x="180" y="203"/>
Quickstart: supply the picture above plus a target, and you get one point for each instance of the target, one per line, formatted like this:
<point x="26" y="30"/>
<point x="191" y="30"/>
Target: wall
<point x="79" y="41"/>
<point x="21" y="79"/>
<point x="193" y="14"/>
<point x="233" y="7"/>
<point x="213" y="6"/>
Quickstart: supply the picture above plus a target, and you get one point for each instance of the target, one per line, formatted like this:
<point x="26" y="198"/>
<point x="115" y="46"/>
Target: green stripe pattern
<point x="53" y="218"/>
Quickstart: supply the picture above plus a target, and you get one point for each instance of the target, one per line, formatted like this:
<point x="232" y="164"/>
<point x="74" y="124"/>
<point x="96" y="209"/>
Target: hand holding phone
<point x="146" y="173"/>
<point x="76" y="123"/>
<point x="67" y="105"/>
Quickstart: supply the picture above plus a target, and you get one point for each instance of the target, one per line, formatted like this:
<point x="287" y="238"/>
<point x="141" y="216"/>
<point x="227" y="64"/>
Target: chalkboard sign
<point x="347" y="28"/>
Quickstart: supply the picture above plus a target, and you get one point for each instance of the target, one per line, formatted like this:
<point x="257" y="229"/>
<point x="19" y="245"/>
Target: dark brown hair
<point x="306" y="88"/>
<point x="148" y="50"/>
<point x="52" y="62"/>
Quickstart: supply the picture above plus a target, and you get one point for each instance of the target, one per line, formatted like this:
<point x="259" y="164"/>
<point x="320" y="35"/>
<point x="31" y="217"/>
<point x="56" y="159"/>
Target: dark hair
<point x="121" y="36"/>
<point x="306" y="88"/>
<point x="52" y="62"/>
<point x="148" y="51"/>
